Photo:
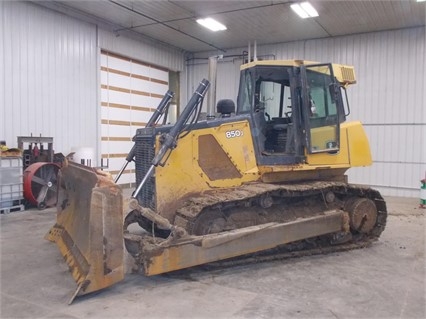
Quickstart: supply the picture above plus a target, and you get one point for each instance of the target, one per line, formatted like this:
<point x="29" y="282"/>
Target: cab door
<point x="321" y="107"/>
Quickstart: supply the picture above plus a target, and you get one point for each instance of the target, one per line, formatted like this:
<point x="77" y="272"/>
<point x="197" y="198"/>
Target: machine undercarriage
<point x="363" y="211"/>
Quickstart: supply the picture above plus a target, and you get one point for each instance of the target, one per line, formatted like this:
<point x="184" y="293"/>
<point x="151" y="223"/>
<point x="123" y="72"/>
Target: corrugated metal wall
<point x="389" y="97"/>
<point x="390" y="100"/>
<point x="49" y="79"/>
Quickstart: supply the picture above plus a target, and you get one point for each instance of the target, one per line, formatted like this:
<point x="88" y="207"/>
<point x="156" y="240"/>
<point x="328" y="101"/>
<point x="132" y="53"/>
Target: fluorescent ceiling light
<point x="211" y="24"/>
<point x="298" y="9"/>
<point x="309" y="9"/>
<point x="304" y="10"/>
<point x="421" y="0"/>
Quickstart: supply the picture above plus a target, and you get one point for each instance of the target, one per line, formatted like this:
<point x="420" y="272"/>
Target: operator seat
<point x="225" y="107"/>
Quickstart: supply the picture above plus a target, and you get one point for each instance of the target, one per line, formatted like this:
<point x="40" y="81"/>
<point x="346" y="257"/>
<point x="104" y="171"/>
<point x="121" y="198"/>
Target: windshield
<point x="245" y="92"/>
<point x="265" y="88"/>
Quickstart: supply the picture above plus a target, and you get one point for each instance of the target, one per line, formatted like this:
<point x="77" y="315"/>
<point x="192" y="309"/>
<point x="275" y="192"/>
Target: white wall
<point x="49" y="74"/>
<point x="389" y="97"/>
<point x="49" y="69"/>
<point x="48" y="66"/>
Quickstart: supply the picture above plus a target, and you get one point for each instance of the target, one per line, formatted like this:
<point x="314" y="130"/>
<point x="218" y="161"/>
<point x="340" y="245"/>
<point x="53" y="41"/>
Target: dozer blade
<point x="89" y="227"/>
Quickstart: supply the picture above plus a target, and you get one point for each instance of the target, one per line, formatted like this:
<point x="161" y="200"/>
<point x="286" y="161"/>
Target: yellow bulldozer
<point x="266" y="175"/>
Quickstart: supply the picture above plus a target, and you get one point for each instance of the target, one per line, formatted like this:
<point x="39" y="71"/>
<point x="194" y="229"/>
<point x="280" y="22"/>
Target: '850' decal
<point x="234" y="133"/>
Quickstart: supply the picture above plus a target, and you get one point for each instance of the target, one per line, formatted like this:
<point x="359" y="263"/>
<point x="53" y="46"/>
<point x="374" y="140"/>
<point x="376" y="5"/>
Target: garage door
<point x="130" y="92"/>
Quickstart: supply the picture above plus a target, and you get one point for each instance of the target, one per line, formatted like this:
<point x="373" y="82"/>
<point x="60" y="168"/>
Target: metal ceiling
<point x="173" y="22"/>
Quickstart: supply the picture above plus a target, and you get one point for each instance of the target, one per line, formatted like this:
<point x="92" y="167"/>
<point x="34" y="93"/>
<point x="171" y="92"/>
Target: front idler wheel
<point x="362" y="213"/>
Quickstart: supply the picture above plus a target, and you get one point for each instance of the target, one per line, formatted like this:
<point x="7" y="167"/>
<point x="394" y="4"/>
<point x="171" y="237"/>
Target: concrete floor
<point x="386" y="280"/>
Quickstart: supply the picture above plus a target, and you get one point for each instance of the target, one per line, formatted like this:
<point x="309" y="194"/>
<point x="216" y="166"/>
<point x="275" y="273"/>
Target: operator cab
<point x="294" y="110"/>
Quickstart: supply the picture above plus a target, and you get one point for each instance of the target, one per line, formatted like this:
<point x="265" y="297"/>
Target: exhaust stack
<point x="249" y="59"/>
<point x="211" y="94"/>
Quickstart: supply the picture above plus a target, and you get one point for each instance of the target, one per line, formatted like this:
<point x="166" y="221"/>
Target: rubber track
<point x="249" y="192"/>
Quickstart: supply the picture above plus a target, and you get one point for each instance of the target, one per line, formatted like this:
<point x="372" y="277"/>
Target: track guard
<point x="89" y="227"/>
